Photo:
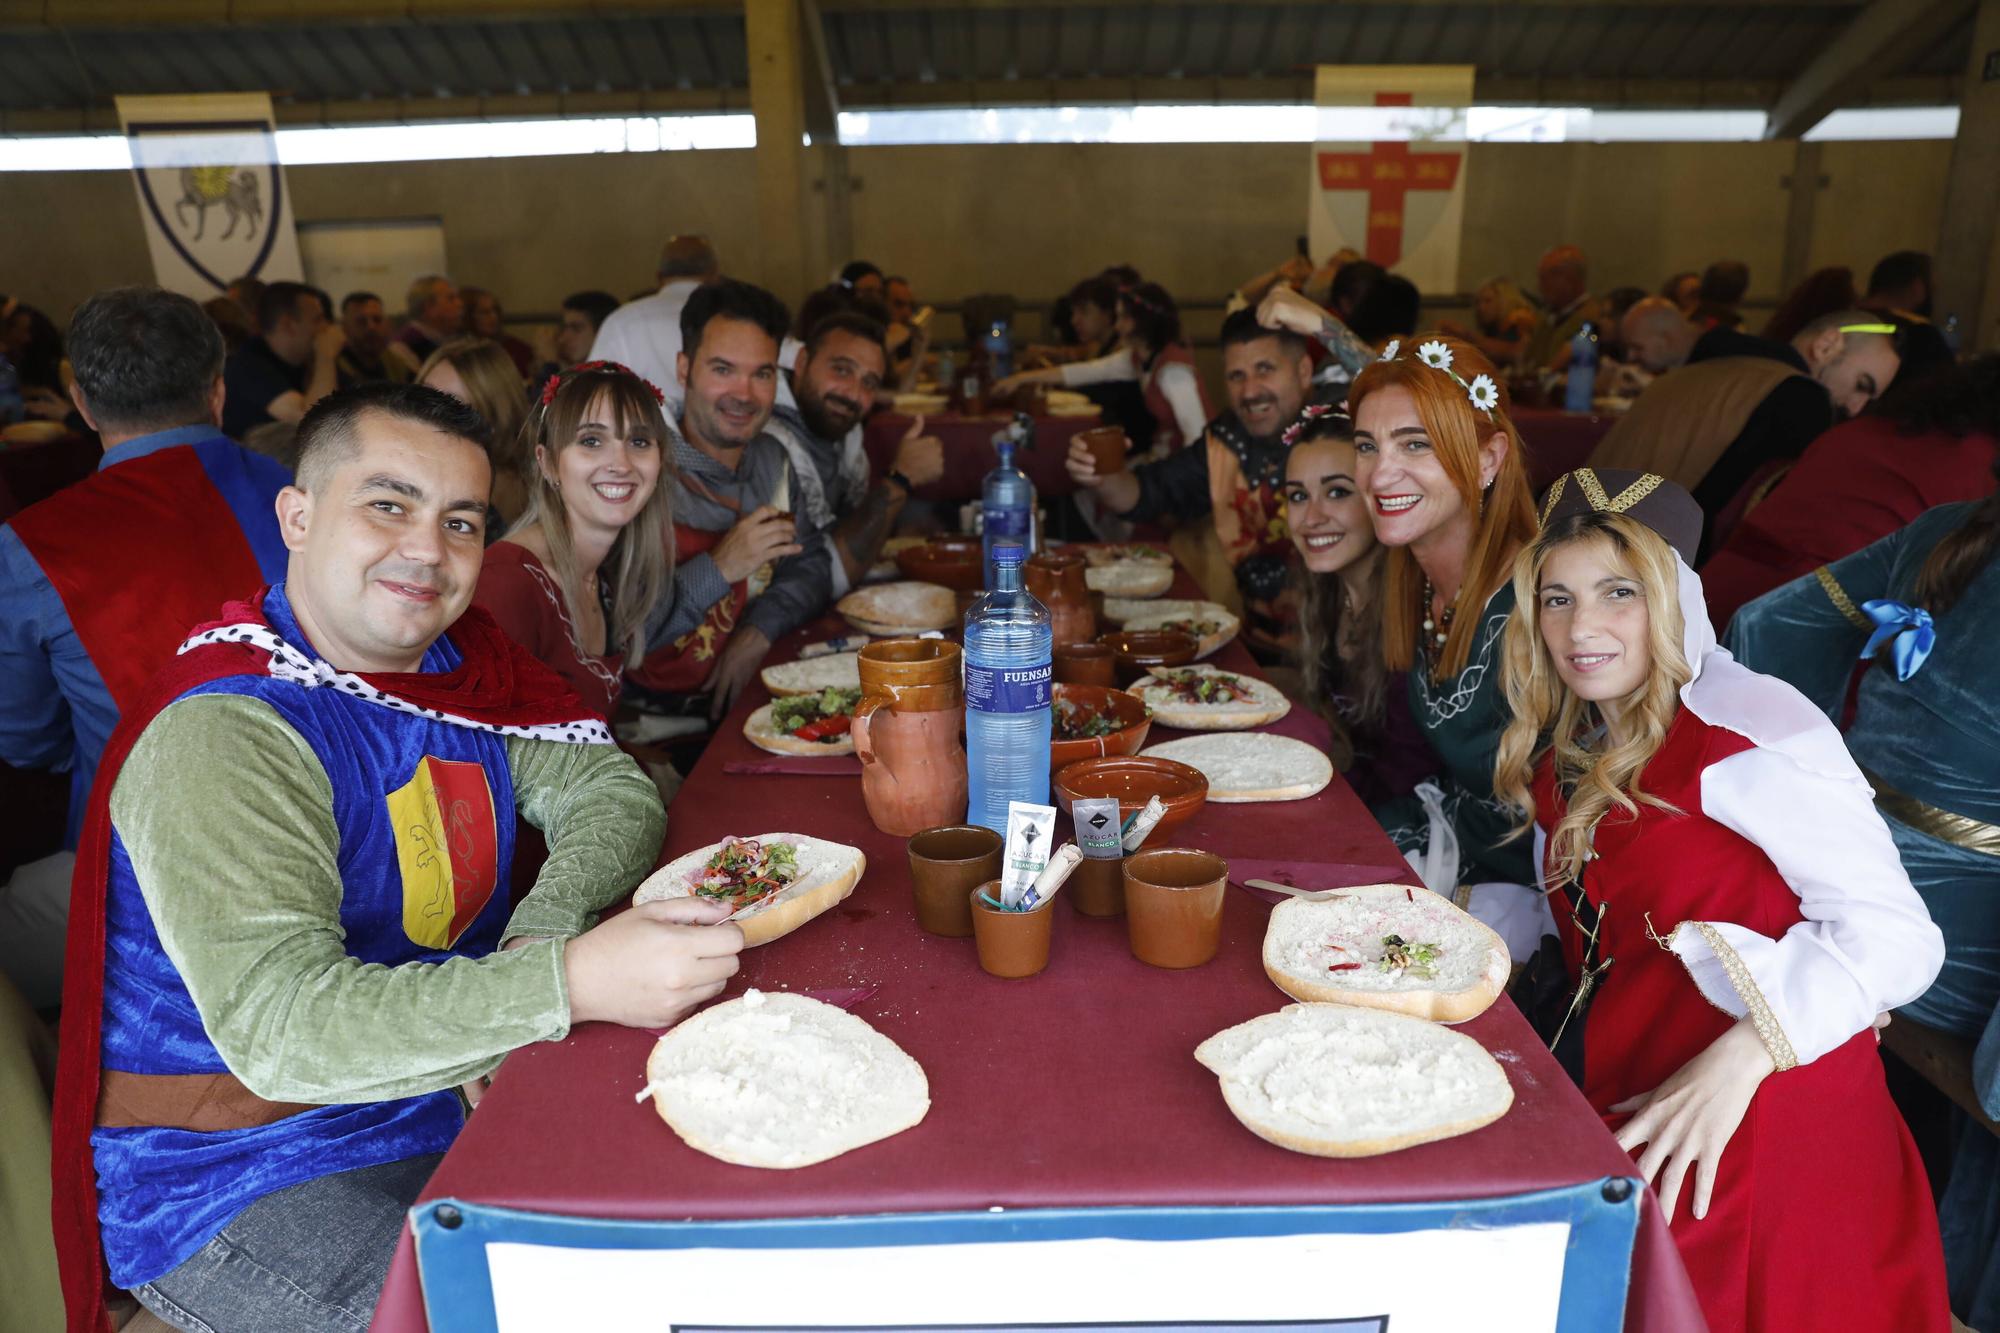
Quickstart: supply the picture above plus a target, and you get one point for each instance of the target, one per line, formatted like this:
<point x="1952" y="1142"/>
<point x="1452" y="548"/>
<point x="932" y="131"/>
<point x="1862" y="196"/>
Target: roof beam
<point x="822" y="98"/>
<point x="186" y="13"/>
<point x="1885" y="36"/>
<point x="170" y="13"/>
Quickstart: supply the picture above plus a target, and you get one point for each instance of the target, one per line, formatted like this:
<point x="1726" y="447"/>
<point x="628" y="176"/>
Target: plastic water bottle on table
<point x="1007" y="500"/>
<point x="1580" y="392"/>
<point x="1009" y="667"/>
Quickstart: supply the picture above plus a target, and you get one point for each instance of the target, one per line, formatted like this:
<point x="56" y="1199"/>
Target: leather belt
<point x="206" y="1103"/>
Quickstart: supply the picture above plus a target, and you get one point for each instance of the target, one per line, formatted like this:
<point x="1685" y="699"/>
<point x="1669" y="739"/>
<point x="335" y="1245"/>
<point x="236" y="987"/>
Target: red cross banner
<point x="1388" y="175"/>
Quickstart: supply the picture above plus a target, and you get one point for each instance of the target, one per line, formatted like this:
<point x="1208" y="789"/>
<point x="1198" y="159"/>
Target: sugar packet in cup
<point x="1030" y="836"/>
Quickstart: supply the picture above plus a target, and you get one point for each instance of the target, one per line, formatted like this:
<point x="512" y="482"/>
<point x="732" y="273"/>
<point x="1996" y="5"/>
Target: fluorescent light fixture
<point x="422" y="142"/>
<point x="1162" y="124"/>
<point x="1889" y="122"/>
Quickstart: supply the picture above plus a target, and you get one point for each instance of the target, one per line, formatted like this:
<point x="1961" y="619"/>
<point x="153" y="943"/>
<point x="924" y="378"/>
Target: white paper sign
<point x="212" y="196"/>
<point x="1498" y="1280"/>
<point x="1398" y="196"/>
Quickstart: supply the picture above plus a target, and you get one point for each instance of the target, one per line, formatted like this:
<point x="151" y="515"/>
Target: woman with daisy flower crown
<point x="574" y="580"/>
<point x="1440" y="465"/>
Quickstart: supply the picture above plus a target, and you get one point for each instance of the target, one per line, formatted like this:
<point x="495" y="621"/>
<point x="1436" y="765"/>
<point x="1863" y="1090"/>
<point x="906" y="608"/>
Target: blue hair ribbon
<point x="1909" y="626"/>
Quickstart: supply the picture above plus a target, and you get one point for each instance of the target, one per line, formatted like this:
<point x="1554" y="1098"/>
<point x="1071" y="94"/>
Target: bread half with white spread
<point x="810" y="675"/>
<point x="1331" y="1080"/>
<point x="826" y="873"/>
<point x="1386" y="946"/>
<point x="777" y="1080"/>
<point x="1251" y="765"/>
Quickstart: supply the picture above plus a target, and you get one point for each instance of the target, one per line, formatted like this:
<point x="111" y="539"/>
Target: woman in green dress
<point x="1441" y="466"/>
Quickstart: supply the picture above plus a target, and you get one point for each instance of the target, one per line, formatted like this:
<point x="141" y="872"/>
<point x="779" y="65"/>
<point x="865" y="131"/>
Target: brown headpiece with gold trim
<point x="1662" y="505"/>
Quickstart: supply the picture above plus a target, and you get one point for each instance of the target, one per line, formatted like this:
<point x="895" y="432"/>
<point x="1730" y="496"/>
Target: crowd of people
<point x="341" y="625"/>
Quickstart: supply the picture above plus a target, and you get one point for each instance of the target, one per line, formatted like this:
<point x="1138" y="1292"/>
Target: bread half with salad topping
<point x="1386" y="946"/>
<point x="1335" y="1081"/>
<point x="1203" y="698"/>
<point x="774" y="882"/>
<point x="805" y="724"/>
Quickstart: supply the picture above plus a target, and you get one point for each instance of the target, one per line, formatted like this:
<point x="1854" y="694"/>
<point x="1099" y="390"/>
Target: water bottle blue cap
<point x="1008" y="553"/>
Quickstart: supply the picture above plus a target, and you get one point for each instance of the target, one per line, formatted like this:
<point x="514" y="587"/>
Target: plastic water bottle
<point x="1009" y="664"/>
<point x="1581" y="390"/>
<point x="999" y="350"/>
<point x="1008" y="504"/>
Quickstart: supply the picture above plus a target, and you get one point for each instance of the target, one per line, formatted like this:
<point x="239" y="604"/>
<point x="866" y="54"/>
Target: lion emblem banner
<point x="212" y="194"/>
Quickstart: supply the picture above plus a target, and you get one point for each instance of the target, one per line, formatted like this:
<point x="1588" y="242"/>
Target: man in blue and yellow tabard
<point x="289" y="940"/>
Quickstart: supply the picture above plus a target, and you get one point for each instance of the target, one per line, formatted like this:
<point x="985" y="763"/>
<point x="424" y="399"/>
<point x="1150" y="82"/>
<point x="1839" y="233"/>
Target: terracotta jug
<point x="906" y="734"/>
<point x="1057" y="583"/>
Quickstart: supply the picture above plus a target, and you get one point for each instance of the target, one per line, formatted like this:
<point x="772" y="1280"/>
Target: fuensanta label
<point x="1008" y="689"/>
<point x="1007" y="521"/>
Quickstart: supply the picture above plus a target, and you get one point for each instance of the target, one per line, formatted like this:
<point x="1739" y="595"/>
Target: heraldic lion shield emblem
<point x="213" y="191"/>
<point x="235" y="188"/>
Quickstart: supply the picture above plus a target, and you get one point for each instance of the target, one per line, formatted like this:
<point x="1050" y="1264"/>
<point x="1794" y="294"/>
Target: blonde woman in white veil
<point x="1733" y="916"/>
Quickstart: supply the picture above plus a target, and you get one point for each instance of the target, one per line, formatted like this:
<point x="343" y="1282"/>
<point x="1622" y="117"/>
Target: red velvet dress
<point x="523" y="597"/>
<point x="1821" y="1218"/>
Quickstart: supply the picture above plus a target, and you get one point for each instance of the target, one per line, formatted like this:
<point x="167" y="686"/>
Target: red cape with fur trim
<point x="496" y="683"/>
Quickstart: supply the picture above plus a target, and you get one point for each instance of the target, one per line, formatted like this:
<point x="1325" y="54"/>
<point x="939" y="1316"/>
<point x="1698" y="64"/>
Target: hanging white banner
<point x="212" y="196"/>
<point x="1397" y="195"/>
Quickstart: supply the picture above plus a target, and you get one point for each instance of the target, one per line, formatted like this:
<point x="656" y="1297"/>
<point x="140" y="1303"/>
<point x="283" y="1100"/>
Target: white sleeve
<point x="1183" y="394"/>
<point x="612" y="343"/>
<point x="1867" y="943"/>
<point x="1106" y="369"/>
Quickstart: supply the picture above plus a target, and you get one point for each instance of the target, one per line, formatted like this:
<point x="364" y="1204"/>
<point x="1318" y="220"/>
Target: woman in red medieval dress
<point x="1733" y="917"/>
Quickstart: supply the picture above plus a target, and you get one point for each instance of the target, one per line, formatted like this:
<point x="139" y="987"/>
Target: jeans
<point x="308" y="1259"/>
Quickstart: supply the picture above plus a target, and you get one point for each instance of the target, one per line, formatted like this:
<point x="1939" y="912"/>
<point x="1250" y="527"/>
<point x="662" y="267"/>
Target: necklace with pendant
<point x="1438" y="630"/>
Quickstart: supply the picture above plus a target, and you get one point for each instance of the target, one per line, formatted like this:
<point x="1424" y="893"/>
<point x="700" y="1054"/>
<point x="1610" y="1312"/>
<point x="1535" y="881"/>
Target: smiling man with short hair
<point x="291" y="941"/>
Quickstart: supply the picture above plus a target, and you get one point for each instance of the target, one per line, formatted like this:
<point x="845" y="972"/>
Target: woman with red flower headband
<point x="574" y="579"/>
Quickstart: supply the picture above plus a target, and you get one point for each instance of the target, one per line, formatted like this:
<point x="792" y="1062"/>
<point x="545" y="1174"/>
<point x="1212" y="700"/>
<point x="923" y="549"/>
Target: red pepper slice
<point x="1342" y="967"/>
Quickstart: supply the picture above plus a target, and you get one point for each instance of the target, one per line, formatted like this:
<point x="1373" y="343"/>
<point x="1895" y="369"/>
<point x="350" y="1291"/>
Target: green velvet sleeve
<point x="1810" y="632"/>
<point x="227" y="816"/>
<point x="601" y="815"/>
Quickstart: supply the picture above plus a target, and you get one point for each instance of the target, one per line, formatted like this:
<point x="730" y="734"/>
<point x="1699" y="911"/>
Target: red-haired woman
<point x="1441" y="467"/>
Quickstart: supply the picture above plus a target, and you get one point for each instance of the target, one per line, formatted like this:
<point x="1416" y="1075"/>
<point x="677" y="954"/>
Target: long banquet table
<point x="1076" y="1087"/>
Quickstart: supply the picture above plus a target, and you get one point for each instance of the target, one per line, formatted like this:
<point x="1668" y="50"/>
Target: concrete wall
<point x="1031" y="218"/>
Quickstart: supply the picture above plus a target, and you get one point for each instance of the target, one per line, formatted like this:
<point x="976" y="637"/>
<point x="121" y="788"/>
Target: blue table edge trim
<point x="451" y="1236"/>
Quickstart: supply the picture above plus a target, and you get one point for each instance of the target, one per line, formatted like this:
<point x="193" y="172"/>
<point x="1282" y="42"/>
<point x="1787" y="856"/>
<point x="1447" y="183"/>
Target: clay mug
<point x="1107" y="445"/>
<point x="1010" y="944"/>
<point x="1173" y="905"/>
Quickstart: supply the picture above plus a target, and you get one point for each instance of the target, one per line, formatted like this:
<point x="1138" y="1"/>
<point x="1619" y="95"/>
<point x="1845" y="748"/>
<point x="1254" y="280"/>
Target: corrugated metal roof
<point x="419" y="58"/>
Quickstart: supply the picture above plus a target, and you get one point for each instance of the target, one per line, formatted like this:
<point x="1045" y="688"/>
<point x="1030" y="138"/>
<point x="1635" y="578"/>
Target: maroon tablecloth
<point x="1558" y="441"/>
<point x="1085" y="1073"/>
<point x="968" y="451"/>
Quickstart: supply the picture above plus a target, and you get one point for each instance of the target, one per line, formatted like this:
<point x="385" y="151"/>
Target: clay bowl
<point x="955" y="562"/>
<point x="1096" y="700"/>
<point x="1133" y="779"/>
<point x="1139" y="649"/>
